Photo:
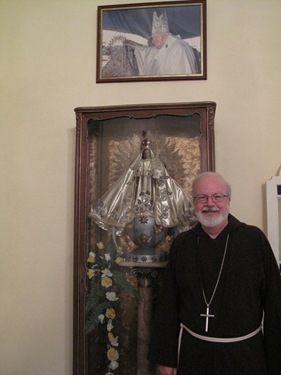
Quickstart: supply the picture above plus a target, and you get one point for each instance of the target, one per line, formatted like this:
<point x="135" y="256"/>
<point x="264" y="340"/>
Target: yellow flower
<point x="106" y="282"/>
<point x="110" y="313"/>
<point x="91" y="259"/>
<point x="113" y="340"/>
<point x="118" y="260"/>
<point x="90" y="273"/>
<point x="100" y="245"/>
<point x="112" y="354"/>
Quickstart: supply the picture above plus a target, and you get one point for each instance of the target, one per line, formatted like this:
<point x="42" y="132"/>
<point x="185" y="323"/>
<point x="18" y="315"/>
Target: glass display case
<point x="114" y="295"/>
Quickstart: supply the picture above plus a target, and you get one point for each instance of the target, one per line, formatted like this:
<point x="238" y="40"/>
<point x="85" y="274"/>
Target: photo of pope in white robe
<point x="166" y="54"/>
<point x="159" y="46"/>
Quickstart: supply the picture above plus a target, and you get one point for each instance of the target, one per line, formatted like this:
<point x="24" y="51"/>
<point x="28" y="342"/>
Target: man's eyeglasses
<point x="217" y="198"/>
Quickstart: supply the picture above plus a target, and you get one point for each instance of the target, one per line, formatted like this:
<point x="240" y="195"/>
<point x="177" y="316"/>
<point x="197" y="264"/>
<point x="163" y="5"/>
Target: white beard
<point x="211" y="222"/>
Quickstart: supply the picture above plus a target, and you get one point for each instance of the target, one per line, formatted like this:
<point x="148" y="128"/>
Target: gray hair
<point x="206" y="174"/>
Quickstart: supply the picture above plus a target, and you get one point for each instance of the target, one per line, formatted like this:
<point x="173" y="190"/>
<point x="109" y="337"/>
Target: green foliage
<point x="93" y="297"/>
<point x="101" y="266"/>
<point x="93" y="320"/>
<point x="120" y="278"/>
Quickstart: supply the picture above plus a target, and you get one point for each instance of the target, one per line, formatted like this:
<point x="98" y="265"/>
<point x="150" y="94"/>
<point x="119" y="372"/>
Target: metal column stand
<point x="144" y="262"/>
<point x="145" y="278"/>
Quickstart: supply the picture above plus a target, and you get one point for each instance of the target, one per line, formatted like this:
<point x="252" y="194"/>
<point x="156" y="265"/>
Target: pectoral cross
<point x="207" y="316"/>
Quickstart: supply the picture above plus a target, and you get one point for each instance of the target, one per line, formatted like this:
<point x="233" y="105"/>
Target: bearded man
<point x="219" y="310"/>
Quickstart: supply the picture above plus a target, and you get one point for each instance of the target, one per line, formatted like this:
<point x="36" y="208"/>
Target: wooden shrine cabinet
<point x="107" y="140"/>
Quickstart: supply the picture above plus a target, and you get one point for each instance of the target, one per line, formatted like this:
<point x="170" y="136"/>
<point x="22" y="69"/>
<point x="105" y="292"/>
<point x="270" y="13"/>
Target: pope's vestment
<point x="175" y="57"/>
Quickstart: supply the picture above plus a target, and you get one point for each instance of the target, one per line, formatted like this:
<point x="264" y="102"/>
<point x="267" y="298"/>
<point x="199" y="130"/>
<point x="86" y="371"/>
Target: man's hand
<point x="163" y="370"/>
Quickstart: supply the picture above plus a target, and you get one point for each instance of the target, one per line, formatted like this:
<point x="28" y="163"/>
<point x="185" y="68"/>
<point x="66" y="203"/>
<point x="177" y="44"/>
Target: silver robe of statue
<point x="144" y="190"/>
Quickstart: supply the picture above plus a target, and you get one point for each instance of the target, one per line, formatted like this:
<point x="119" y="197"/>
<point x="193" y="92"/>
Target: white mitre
<point x="160" y="24"/>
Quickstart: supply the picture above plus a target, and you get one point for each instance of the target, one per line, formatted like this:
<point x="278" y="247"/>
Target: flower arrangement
<point x="106" y="279"/>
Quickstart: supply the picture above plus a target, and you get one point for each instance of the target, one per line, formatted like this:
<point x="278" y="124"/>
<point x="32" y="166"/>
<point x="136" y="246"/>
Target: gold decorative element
<point x="180" y="155"/>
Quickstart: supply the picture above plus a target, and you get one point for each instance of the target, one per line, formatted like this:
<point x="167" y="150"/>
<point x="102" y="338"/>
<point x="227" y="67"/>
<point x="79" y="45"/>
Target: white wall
<point x="48" y="55"/>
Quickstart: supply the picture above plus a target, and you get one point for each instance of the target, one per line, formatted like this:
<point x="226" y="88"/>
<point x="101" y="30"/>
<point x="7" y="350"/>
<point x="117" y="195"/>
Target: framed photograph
<point x="152" y="42"/>
<point x="113" y="297"/>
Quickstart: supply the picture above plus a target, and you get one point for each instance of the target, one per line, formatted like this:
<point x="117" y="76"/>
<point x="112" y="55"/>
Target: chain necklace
<point x="208" y="315"/>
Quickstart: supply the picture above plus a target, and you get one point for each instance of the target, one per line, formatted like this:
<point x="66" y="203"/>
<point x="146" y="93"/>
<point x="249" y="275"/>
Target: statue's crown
<point x="145" y="143"/>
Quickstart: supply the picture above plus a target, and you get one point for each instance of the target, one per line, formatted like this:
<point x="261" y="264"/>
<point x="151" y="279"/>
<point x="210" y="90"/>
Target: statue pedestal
<point x="145" y="280"/>
<point x="145" y="275"/>
<point x="144" y="262"/>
